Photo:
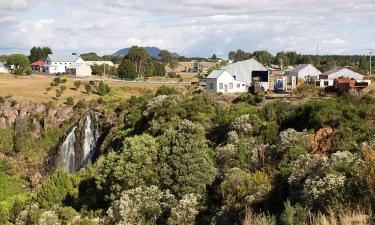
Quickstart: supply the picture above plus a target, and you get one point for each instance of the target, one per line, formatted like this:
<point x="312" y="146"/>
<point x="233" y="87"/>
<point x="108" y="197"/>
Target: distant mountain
<point x="152" y="51"/>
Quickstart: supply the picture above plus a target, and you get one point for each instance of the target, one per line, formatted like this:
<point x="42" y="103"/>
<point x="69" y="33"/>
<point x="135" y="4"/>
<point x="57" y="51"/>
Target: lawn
<point x="33" y="88"/>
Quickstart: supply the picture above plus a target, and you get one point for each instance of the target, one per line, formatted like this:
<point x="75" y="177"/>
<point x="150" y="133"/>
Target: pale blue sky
<point x="189" y="27"/>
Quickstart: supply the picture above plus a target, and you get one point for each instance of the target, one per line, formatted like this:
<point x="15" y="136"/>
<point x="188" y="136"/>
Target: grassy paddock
<point x="33" y="88"/>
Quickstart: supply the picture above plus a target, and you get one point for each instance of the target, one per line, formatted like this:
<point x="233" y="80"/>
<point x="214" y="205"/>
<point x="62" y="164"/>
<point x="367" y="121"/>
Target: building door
<point x="226" y="88"/>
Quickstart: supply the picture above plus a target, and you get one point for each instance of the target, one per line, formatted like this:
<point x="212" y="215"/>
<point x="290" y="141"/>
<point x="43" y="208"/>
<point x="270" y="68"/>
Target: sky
<point x="189" y="27"/>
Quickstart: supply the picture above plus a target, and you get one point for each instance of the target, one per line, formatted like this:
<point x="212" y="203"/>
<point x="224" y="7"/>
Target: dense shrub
<point x="57" y="190"/>
<point x="166" y="90"/>
<point x="103" y="89"/>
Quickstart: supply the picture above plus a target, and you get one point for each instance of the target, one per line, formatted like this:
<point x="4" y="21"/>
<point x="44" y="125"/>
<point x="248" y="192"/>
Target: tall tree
<point x="20" y="62"/>
<point x="138" y="56"/>
<point x="173" y="64"/>
<point x="165" y="56"/>
<point x="185" y="166"/>
<point x="263" y="57"/>
<point x="127" y="70"/>
<point x="39" y="53"/>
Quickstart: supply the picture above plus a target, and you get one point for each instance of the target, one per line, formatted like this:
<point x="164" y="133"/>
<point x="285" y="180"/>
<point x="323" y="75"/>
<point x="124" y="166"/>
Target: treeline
<point x="359" y="63"/>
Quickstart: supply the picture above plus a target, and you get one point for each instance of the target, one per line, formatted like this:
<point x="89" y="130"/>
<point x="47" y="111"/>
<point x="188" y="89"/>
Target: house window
<point x="230" y="85"/>
<point x="238" y="85"/>
<point x="211" y="85"/>
<point x="326" y="83"/>
<point x="220" y="85"/>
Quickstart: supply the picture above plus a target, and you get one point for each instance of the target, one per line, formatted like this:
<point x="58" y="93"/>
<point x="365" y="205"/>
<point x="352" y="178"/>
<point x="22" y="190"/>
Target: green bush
<point x="103" y="89"/>
<point x="81" y="105"/>
<point x="245" y="97"/>
<point x="6" y="140"/>
<point x="259" y="98"/>
<point x="70" y="101"/>
<point x="166" y="90"/>
<point x="58" y="189"/>
<point x="77" y="84"/>
<point x="88" y="88"/>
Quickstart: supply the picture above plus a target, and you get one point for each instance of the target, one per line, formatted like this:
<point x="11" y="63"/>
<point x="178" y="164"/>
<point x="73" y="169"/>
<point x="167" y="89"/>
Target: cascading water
<point x="67" y="152"/>
<point x="89" y="142"/>
<point x="68" y="157"/>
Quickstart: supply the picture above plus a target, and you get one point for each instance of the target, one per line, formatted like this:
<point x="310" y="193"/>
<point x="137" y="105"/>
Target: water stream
<point x="89" y="142"/>
<point x="67" y="156"/>
<point x="67" y="152"/>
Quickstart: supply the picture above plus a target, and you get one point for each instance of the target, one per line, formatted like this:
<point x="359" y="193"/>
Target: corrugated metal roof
<point x="38" y="63"/>
<point x="342" y="72"/>
<point x="243" y="69"/>
<point x="63" y="58"/>
<point x="299" y="67"/>
<point x="215" y="74"/>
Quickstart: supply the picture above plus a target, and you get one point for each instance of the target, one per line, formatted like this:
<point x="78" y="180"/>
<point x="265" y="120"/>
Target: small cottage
<point x="38" y="66"/>
<point x="221" y="81"/>
<point x="305" y="72"/>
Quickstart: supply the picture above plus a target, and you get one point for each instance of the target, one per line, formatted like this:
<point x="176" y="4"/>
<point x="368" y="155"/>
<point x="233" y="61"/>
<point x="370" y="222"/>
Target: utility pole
<point x="370" y="62"/>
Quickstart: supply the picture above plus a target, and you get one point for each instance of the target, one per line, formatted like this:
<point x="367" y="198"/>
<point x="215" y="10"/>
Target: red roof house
<point x="38" y="66"/>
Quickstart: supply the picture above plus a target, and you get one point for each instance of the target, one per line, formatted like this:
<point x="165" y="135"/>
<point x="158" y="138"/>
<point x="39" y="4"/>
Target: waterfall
<point x="67" y="152"/>
<point x="89" y="142"/>
<point x="72" y="159"/>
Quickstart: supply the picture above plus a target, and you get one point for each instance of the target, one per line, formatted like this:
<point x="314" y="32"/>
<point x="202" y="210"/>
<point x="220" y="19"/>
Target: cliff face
<point x="30" y="134"/>
<point x="20" y="114"/>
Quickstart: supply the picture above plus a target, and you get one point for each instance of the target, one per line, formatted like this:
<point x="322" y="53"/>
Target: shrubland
<point x="190" y="158"/>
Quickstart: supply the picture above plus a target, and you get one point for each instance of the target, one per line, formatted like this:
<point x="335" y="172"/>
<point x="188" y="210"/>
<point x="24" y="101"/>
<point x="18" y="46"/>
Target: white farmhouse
<point x="79" y="70"/>
<point x="248" y="71"/>
<point x="305" y="72"/>
<point x="3" y="68"/>
<point x="58" y="63"/>
<point x="326" y="79"/>
<point x="221" y="81"/>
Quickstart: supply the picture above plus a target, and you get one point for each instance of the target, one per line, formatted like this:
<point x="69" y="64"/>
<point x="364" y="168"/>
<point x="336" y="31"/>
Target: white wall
<point x="83" y="70"/>
<point x="309" y="70"/>
<point x="225" y="83"/>
<point x="55" y="68"/>
<point x="325" y="82"/>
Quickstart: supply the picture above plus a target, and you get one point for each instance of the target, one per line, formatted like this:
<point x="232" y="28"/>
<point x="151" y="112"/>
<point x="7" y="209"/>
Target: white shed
<point x="341" y="72"/>
<point x="59" y="63"/>
<point x="305" y="72"/>
<point x="3" y="68"/>
<point x="221" y="81"/>
<point x="243" y="70"/>
<point x="326" y="79"/>
<point x="79" y="70"/>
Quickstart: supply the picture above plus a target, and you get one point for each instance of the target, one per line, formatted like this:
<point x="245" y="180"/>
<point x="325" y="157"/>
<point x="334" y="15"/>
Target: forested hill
<point x="182" y="157"/>
<point x="152" y="51"/>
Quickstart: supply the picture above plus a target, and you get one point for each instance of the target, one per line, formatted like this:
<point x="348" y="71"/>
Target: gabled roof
<point x="215" y="74"/>
<point x="252" y="64"/>
<point x="299" y="67"/>
<point x="332" y="71"/>
<point x="63" y="58"/>
<point x="38" y="63"/>
<point x="342" y="72"/>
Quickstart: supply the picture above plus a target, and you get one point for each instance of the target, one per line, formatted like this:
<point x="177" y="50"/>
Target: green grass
<point x="12" y="187"/>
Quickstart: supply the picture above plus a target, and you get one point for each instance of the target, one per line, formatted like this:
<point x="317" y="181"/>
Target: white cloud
<point x="192" y="27"/>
